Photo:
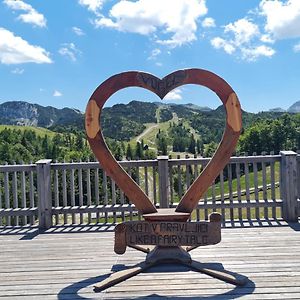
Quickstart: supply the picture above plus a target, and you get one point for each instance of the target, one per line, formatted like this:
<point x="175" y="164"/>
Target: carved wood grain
<point x="162" y="87"/>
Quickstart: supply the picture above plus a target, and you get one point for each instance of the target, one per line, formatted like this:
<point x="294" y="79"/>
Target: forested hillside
<point x="123" y="122"/>
<point x="141" y="130"/>
<point x="268" y="135"/>
<point x="29" y="144"/>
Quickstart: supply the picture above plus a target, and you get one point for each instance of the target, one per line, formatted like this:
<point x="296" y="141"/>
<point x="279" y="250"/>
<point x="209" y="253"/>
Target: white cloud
<point x="297" y="47"/>
<point x="15" y="50"/>
<point x="174" y="95"/>
<point x="33" y="17"/>
<point x="17" y="5"/>
<point x="243" y="38"/>
<point x="69" y="50"/>
<point x="57" y="93"/>
<point x="251" y="54"/>
<point x="243" y="30"/>
<point x="78" y="31"/>
<point x="251" y="39"/>
<point x="174" y="22"/>
<point x="106" y="22"/>
<point x="17" y="71"/>
<point x="282" y="18"/>
<point x="220" y="43"/>
<point x="154" y="53"/>
<point x="92" y="5"/>
<point x="208" y="22"/>
<point x="266" y="38"/>
<point x="30" y="16"/>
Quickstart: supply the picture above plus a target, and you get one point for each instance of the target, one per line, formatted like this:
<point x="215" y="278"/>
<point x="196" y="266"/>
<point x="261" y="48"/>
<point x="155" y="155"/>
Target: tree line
<point x="263" y="135"/>
<point x="27" y="146"/>
<point x="178" y="138"/>
<point x="273" y="135"/>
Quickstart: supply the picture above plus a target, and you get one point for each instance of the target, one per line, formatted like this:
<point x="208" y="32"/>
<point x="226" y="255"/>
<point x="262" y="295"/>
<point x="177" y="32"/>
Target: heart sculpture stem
<point x="99" y="147"/>
<point x="162" y="87"/>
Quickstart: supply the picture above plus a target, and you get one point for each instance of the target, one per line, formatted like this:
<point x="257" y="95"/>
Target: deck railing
<point x="264" y="187"/>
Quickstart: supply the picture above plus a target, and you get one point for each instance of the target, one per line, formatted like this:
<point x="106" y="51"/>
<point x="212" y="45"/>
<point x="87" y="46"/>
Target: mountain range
<point x="28" y="114"/>
<point x="295" y="108"/>
<point x="124" y="121"/>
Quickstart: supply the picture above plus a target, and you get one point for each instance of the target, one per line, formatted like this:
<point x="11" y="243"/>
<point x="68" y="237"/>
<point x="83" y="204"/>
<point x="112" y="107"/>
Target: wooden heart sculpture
<point x="162" y="87"/>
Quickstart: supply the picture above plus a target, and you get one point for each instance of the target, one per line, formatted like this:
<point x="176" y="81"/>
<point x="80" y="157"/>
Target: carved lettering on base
<point x="167" y="234"/>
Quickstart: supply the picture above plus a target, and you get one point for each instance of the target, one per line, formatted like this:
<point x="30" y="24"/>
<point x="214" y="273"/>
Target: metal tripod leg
<point x="120" y="276"/>
<point x="223" y="275"/>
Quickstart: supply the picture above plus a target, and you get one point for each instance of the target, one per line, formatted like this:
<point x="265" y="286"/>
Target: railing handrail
<point x="17" y="167"/>
<point x="153" y="162"/>
<point x="150" y="162"/>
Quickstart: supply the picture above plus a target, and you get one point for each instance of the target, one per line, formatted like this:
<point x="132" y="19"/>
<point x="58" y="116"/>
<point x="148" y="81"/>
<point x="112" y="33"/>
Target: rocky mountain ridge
<point x="28" y="114"/>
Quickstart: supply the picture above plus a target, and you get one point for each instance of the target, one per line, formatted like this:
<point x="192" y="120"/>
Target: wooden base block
<point x="166" y="215"/>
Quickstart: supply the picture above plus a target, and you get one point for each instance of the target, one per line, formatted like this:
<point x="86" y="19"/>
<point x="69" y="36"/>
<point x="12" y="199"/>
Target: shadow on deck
<point x="30" y="232"/>
<point x="65" y="262"/>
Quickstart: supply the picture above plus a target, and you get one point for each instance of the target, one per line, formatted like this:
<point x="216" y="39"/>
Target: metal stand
<point x="171" y="255"/>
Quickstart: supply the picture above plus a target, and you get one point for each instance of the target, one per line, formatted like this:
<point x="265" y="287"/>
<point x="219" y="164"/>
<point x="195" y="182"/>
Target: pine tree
<point x="118" y="153"/>
<point x="142" y="144"/>
<point x="79" y="143"/>
<point x="192" y="145"/>
<point x="162" y="146"/>
<point x="139" y="151"/>
<point x="199" y="146"/>
<point x="129" y="154"/>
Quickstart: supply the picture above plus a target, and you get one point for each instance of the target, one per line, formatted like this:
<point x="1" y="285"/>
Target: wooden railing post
<point x="163" y="176"/>
<point x="288" y="185"/>
<point x="44" y="193"/>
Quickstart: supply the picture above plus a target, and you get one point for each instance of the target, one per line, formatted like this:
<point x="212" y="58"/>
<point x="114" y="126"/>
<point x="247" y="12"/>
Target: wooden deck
<point x="65" y="262"/>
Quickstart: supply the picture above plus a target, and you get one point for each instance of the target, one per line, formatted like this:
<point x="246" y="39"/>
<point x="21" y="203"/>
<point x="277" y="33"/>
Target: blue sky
<point x="56" y="52"/>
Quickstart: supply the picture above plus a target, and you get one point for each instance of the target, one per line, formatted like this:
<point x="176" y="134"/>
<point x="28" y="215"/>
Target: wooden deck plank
<point x="66" y="265"/>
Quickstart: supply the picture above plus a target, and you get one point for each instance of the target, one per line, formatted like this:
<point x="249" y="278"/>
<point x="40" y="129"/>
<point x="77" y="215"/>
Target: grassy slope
<point x="38" y="130"/>
<point x="251" y="181"/>
<point x="217" y="187"/>
<point x="150" y="136"/>
<point x="244" y="212"/>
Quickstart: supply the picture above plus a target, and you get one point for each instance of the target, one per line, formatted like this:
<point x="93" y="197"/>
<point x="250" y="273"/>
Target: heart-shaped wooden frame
<point x="162" y="87"/>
